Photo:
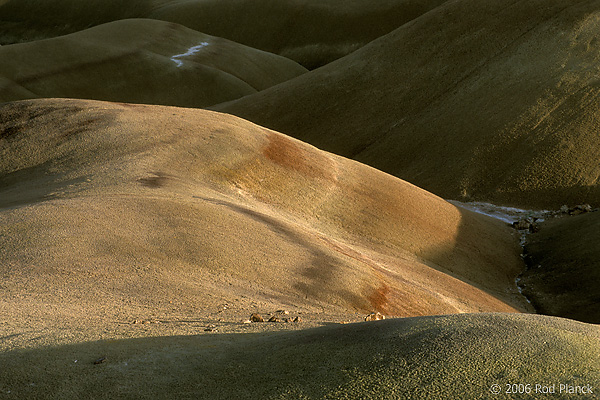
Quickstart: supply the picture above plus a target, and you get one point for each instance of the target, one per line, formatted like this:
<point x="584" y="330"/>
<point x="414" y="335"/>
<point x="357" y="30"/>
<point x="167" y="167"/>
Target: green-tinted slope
<point x="444" y="357"/>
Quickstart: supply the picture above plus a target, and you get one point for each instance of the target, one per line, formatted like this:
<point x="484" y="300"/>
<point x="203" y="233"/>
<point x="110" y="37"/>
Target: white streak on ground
<point x="505" y="214"/>
<point x="191" y="51"/>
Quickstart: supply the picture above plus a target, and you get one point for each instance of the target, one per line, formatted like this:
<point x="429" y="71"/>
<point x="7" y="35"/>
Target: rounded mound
<point x="442" y="357"/>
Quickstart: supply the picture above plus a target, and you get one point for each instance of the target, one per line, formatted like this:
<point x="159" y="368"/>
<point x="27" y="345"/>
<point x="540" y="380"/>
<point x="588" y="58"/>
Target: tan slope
<point x="140" y="61"/>
<point x="564" y="268"/>
<point x="442" y="357"/>
<point x="488" y="100"/>
<point x="311" y="32"/>
<point x="110" y="210"/>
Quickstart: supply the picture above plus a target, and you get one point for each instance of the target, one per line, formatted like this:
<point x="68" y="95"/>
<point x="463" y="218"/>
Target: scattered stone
<point x="296" y="319"/>
<point x="247" y="321"/>
<point x="256" y="318"/>
<point x="580" y="209"/>
<point x="374" y="316"/>
<point x="286" y="312"/>
<point x="100" y="360"/>
<point x="210" y="328"/>
<point x="137" y="321"/>
<point x="274" y="318"/>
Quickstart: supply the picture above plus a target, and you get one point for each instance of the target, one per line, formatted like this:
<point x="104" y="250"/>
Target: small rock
<point x="210" y="328"/>
<point x="374" y="316"/>
<point x="100" y="360"/>
<point x="274" y="318"/>
<point x="286" y="312"/>
<point x="296" y="319"/>
<point x="256" y="318"/>
<point x="564" y="209"/>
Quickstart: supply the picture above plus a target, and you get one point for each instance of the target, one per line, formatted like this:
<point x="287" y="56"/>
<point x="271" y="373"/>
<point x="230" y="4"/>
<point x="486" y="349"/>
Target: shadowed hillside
<point x="311" y="32"/>
<point x="564" y="268"/>
<point x="109" y="211"/>
<point x="442" y="357"/>
<point x="488" y="100"/>
<point x="140" y="61"/>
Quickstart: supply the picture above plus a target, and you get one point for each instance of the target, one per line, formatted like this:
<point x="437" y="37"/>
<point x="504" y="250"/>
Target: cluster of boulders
<point x="277" y="317"/>
<point x="579" y="209"/>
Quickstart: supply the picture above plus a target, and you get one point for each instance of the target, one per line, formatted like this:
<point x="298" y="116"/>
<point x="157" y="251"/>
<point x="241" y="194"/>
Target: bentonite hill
<point x="299" y="199"/>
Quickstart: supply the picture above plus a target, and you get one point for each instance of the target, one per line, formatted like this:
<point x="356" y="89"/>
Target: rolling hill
<point x="109" y="212"/>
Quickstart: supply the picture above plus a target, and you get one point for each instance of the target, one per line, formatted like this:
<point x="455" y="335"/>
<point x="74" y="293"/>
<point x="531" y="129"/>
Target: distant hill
<point x="488" y="100"/>
<point x="311" y="32"/>
<point x="140" y="61"/>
